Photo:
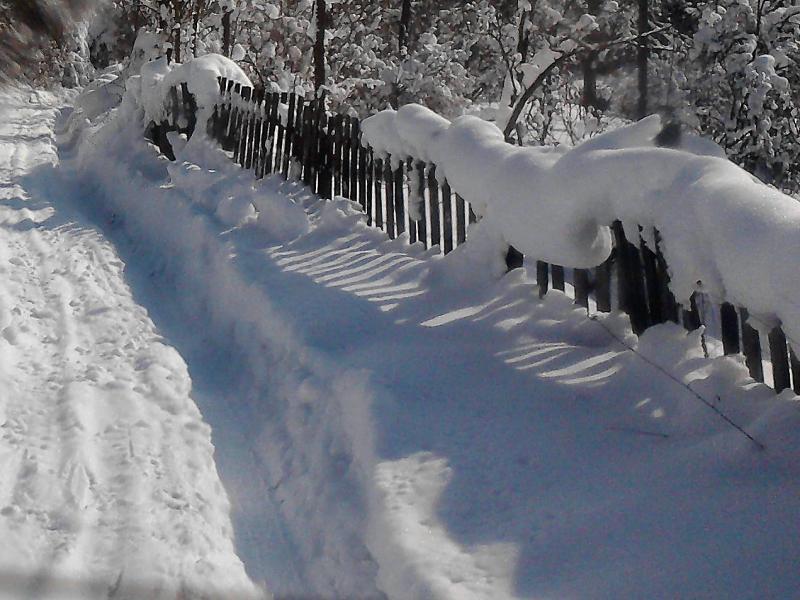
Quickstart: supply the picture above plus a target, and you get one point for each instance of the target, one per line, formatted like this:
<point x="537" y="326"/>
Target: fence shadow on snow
<point x="287" y="134"/>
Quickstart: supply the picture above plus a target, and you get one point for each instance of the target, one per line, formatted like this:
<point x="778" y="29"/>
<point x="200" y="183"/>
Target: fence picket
<point x="779" y="356"/>
<point x="363" y="196"/>
<point x="602" y="286"/>
<point x="413" y="226"/>
<point x="370" y="182"/>
<point x="461" y="220"/>
<point x="377" y="169"/>
<point x="542" y="277"/>
<point x="630" y="279"/>
<point x="751" y="347"/>
<point x="433" y="206"/>
<point x="347" y="140"/>
<point x="399" y="200"/>
<point x="729" y="322"/>
<point x="242" y="121"/>
<point x="388" y="180"/>
<point x="447" y="217"/>
<point x="557" y="273"/>
<point x="580" y="282"/>
<point x="422" y="224"/>
<point x="355" y="151"/>
<point x="794" y="363"/>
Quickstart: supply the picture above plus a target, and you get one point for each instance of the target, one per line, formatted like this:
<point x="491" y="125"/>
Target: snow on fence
<point x="280" y="132"/>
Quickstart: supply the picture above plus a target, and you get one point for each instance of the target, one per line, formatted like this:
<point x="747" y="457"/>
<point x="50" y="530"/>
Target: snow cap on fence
<point x="722" y="230"/>
<point x="200" y="75"/>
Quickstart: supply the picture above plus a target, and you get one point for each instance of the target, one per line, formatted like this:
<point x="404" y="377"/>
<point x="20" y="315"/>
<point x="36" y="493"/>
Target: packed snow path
<point x="107" y="481"/>
<point x="388" y="422"/>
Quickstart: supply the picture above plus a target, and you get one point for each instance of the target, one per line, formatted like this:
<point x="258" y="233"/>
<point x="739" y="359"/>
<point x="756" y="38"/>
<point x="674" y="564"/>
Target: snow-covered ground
<point x="108" y="483"/>
<point x="386" y="422"/>
<point x="390" y="422"/>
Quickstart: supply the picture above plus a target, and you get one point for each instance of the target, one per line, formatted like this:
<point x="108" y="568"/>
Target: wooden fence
<point x="271" y="132"/>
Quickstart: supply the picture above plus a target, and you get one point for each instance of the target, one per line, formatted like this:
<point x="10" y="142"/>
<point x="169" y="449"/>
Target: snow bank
<point x="723" y="231"/>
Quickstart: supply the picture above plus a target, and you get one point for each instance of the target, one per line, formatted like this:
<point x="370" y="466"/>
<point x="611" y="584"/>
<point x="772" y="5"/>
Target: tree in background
<point x="37" y="36"/>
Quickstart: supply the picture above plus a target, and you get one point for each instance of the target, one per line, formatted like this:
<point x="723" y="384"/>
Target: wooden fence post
<point x="795" y="366"/>
<point x="514" y="259"/>
<point x="363" y="197"/>
<point x="355" y="151"/>
<point x="253" y="144"/>
<point x="308" y="140"/>
<point x="669" y="307"/>
<point x="751" y="347"/>
<point x="542" y="277"/>
<point x="652" y="281"/>
<point x="388" y="180"/>
<point x="399" y="199"/>
<point x="298" y="141"/>
<point x="230" y="132"/>
<point x="377" y="169"/>
<point x="219" y="112"/>
<point x="347" y="140"/>
<point x="580" y="281"/>
<point x="447" y="217"/>
<point x="422" y="224"/>
<point x="729" y="322"/>
<point x="779" y="355"/>
<point x="557" y="273"/>
<point x="273" y="125"/>
<point x="370" y="182"/>
<point x="433" y="206"/>
<point x="461" y="220"/>
<point x="630" y="279"/>
<point x="288" y="131"/>
<point x="336" y="152"/>
<point x="602" y="285"/>
<point x="242" y="121"/>
<point x="190" y="109"/>
<point x="413" y="226"/>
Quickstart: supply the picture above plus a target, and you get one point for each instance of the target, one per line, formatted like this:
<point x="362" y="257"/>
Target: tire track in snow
<point x="113" y="489"/>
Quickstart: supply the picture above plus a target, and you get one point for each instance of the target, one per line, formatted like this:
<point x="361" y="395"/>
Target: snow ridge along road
<point x="109" y="487"/>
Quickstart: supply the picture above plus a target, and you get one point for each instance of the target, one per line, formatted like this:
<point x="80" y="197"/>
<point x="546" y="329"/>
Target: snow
<point x="109" y="481"/>
<point x="723" y="231"/>
<point x="391" y="422"/>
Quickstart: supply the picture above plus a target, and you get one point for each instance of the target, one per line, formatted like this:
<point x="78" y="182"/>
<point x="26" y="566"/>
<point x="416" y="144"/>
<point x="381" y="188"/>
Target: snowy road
<point x="109" y="488"/>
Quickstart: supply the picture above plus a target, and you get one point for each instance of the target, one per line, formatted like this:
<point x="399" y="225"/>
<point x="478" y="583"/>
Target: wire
<point x="661" y="369"/>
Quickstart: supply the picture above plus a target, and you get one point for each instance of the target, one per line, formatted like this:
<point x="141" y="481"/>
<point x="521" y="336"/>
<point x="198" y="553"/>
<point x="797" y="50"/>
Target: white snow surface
<point x="109" y="487"/>
<point x="393" y="423"/>
<point x="723" y="231"/>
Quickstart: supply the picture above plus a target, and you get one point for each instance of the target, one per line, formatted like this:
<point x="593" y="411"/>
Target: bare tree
<point x="319" y="45"/>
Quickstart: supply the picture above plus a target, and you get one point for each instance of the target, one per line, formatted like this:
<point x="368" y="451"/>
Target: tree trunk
<point x="641" y="58"/>
<point x="587" y="66"/>
<point x="227" y="34"/>
<point x="319" y="45"/>
<point x="405" y="26"/>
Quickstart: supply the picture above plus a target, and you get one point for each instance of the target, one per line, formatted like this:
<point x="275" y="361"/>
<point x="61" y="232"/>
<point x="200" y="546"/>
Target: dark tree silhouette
<point x="27" y="25"/>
